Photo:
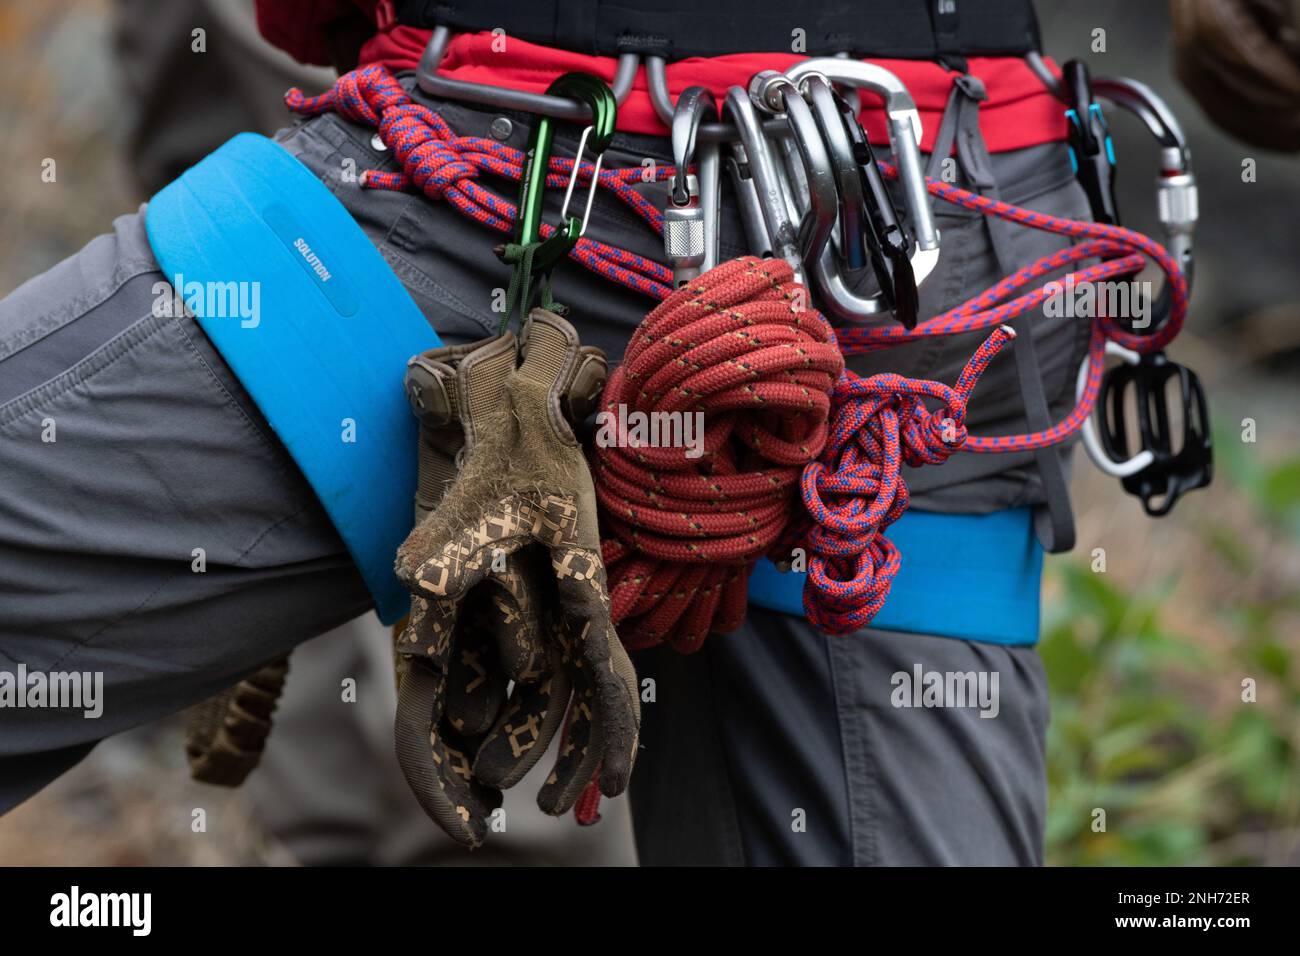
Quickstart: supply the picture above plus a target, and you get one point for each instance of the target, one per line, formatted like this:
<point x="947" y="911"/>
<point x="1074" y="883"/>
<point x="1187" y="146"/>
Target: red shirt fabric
<point x="1019" y="112"/>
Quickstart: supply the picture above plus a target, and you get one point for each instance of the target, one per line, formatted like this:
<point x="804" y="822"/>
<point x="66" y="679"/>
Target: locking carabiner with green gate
<point x="532" y="256"/>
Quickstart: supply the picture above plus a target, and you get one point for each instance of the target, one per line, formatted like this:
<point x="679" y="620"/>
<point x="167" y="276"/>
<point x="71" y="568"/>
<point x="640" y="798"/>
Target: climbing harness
<point x="739" y="342"/>
<point x="687" y="28"/>
<point x="251" y="216"/>
<point x="849" y="567"/>
<point x="549" y="105"/>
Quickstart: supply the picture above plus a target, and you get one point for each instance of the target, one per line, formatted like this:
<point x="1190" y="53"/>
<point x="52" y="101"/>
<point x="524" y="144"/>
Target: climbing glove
<point x="520" y="517"/>
<point x="451" y="390"/>
<point x="456" y="693"/>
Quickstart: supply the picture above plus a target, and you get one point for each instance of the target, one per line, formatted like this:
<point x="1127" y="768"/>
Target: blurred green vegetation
<point x="1148" y="720"/>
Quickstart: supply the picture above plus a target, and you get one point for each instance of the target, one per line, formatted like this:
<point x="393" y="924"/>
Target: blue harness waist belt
<point x="975" y="577"/>
<point x="318" y="329"/>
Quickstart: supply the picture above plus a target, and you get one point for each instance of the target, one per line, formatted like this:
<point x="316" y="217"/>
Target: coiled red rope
<point x="739" y="352"/>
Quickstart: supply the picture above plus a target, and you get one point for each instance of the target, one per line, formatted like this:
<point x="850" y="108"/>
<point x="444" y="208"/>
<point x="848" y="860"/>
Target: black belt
<point x="676" y="29"/>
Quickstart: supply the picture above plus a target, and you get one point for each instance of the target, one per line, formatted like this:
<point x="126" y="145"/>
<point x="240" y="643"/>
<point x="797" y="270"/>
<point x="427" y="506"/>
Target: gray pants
<point x="126" y="444"/>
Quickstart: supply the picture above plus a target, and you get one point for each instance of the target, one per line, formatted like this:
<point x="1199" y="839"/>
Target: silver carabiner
<point x="1177" y="201"/>
<point x="752" y="221"/>
<point x="760" y="171"/>
<point x="692" y="209"/>
<point x="904" y="125"/>
<point x="852" y="225"/>
<point x="573" y="181"/>
<point x="1091" y="442"/>
<point x="820" y="164"/>
<point x="809" y="164"/>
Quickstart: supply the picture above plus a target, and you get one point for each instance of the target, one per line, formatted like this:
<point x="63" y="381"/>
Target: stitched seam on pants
<point x="403" y="236"/>
<point x="273" y="446"/>
<point x="733" y="838"/>
<point x="857" y="763"/>
<point x="105" y="356"/>
<point x="49" y="323"/>
<point x="77" y="645"/>
<point x="414" y="278"/>
<point x="97" y="361"/>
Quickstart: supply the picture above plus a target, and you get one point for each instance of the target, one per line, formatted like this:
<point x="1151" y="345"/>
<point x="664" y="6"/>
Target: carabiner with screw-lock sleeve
<point x="691" y="212"/>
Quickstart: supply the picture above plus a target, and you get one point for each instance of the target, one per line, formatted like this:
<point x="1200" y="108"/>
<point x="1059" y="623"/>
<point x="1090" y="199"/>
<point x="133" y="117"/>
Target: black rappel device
<point x="1180" y="442"/>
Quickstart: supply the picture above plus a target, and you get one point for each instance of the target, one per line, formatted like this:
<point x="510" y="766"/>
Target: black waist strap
<point x="676" y="29"/>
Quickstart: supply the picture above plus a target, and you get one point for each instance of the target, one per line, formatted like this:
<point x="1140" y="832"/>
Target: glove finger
<point x="473" y="799"/>
<point x="476" y="682"/>
<point x="516" y="599"/>
<point x="435" y="765"/>
<point x="618" y="716"/>
<point x="496" y="641"/>
<point x="584" y="602"/>
<point x="522" y="735"/>
<point x="429" y="631"/>
<point x="576" y="761"/>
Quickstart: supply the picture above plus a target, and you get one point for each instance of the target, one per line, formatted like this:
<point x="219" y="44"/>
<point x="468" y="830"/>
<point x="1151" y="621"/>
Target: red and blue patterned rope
<point x="855" y="490"/>
<point x="445" y="166"/>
